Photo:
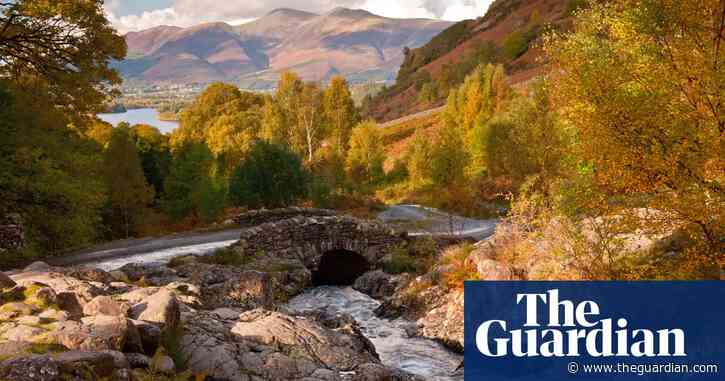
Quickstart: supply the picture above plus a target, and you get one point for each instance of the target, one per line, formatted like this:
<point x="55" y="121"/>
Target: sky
<point x="133" y="15"/>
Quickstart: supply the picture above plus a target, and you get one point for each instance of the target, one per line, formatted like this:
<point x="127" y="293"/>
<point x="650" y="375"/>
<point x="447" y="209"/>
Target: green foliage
<point x="51" y="175"/>
<point x="401" y="262"/>
<point x="573" y="6"/>
<point x="439" y="45"/>
<point x="364" y="163"/>
<point x="193" y="188"/>
<point x="67" y="45"/>
<point x="226" y="257"/>
<point x="418" y="159"/>
<point x="153" y="148"/>
<point x="270" y="176"/>
<point x="529" y="139"/>
<point x="128" y="192"/>
<point x="515" y="44"/>
<point x="449" y="158"/>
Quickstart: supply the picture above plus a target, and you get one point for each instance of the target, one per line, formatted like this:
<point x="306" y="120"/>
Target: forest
<point x="622" y="138"/>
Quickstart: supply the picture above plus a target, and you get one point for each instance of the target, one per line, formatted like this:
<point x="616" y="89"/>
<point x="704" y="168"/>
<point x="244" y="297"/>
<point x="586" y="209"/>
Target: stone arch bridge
<point x="334" y="248"/>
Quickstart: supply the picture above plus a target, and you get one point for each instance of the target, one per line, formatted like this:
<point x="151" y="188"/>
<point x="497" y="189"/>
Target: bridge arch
<point x="320" y="242"/>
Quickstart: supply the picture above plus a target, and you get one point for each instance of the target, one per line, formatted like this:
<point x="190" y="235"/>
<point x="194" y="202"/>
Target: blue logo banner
<point x="553" y="331"/>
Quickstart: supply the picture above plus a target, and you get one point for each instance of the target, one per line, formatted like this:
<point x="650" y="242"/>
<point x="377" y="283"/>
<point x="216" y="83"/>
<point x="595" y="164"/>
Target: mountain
<point x="351" y="42"/>
<point x="507" y="34"/>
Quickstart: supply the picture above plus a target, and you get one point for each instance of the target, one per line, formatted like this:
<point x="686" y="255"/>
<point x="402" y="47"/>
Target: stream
<point x="422" y="357"/>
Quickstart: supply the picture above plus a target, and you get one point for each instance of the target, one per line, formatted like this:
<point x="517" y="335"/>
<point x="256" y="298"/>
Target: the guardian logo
<point x="572" y="330"/>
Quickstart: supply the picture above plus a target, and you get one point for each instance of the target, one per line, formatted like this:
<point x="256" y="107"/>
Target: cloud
<point x="190" y="12"/>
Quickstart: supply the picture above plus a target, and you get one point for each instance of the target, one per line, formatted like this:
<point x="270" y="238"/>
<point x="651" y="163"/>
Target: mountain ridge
<point x="351" y="42"/>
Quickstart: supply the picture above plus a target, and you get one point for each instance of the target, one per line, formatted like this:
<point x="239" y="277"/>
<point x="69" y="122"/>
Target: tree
<point x="193" y="188"/>
<point x="309" y="118"/>
<point x="225" y="119"/>
<point x="642" y="83"/>
<point x="449" y="158"/>
<point x="100" y="132"/>
<point x="418" y="158"/>
<point x="365" y="158"/>
<point x="483" y="94"/>
<point x="129" y="194"/>
<point x="50" y="175"/>
<point x="68" y="44"/>
<point x="270" y="176"/>
<point x="281" y="113"/>
<point x="155" y="153"/>
<point x="340" y="112"/>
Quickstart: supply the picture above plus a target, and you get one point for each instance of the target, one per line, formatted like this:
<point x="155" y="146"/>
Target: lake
<point x="140" y="116"/>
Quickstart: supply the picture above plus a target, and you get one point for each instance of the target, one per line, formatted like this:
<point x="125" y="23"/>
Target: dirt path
<point x="135" y="247"/>
<point x="420" y="220"/>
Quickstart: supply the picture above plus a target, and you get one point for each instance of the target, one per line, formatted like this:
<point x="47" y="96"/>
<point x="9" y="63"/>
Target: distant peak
<point x="290" y="12"/>
<point x="350" y="13"/>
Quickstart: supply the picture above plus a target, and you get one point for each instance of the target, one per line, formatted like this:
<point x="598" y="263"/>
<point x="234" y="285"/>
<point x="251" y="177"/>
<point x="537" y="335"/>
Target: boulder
<point x="37" y="266"/>
<point x="161" y="307"/>
<point x="105" y="305"/>
<point x="72" y="365"/>
<point x="163" y="364"/>
<point x="377" y="284"/>
<point x="22" y="333"/>
<point x="271" y="345"/>
<point x="150" y="335"/>
<point x="94" y="333"/>
<point x="90" y="274"/>
<point x="372" y="372"/>
<point x="6" y="281"/>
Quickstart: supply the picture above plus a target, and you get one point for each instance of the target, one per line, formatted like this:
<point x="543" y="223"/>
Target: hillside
<point x="507" y="34"/>
<point x="355" y="43"/>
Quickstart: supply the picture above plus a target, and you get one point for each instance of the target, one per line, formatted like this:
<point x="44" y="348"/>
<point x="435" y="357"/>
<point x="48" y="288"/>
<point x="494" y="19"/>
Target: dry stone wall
<point x="264" y="216"/>
<point x="12" y="234"/>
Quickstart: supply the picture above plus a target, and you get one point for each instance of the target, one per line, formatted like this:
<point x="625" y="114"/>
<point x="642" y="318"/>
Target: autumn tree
<point x="310" y="119"/>
<point x="340" y="113"/>
<point x="223" y="118"/>
<point x="484" y="94"/>
<point x="530" y="138"/>
<point x="449" y="158"/>
<point x="281" y="112"/>
<point x="642" y="84"/>
<point x="129" y="194"/>
<point x="365" y="158"/>
<point x="418" y="158"/>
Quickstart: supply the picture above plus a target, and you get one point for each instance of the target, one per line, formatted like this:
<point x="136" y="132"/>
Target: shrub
<point x="226" y="257"/>
<point x="400" y="262"/>
<point x="459" y="267"/>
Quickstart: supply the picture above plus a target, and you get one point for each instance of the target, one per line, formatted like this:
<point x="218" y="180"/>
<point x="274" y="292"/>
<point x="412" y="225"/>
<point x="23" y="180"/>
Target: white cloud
<point x="190" y="12"/>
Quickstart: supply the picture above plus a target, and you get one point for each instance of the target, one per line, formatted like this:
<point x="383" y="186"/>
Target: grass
<point x="460" y="267"/>
<point x="226" y="257"/>
<point x="416" y="257"/>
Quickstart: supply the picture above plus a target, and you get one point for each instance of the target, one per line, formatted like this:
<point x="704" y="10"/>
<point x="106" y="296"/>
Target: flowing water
<point x="415" y="355"/>
<point x="396" y="348"/>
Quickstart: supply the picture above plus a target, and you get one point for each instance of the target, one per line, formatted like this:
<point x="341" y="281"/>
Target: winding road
<point x="416" y="219"/>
